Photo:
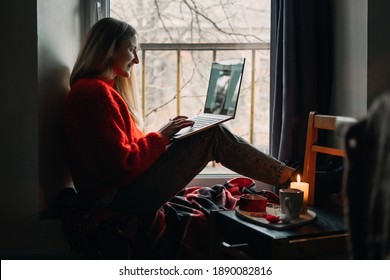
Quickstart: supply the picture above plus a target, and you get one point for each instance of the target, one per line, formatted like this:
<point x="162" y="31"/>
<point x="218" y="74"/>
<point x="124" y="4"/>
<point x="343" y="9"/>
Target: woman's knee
<point x="220" y="129"/>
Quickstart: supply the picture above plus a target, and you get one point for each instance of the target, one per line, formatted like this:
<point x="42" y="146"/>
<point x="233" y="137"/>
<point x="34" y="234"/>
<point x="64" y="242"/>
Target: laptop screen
<point x="224" y="87"/>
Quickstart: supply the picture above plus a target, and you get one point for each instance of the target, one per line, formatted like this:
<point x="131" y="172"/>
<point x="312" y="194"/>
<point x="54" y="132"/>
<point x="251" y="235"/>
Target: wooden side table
<point x="232" y="237"/>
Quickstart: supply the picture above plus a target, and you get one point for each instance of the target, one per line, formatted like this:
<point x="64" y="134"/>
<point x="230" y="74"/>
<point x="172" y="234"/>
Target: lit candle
<point x="303" y="187"/>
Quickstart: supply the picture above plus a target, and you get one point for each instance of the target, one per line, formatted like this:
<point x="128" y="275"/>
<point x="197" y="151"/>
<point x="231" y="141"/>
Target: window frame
<point x="94" y="11"/>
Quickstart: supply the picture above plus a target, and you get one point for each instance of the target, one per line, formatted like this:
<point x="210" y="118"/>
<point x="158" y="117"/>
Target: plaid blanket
<point x="181" y="226"/>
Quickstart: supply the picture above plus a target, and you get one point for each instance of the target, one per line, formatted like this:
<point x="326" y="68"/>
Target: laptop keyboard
<point x="203" y="121"/>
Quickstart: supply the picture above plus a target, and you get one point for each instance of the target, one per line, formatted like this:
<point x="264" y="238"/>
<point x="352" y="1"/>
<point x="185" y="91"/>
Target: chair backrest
<point x="318" y="122"/>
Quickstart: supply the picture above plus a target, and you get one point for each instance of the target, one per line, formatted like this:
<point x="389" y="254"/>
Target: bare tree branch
<point x="175" y="96"/>
<point x="216" y="26"/>
<point x="161" y="20"/>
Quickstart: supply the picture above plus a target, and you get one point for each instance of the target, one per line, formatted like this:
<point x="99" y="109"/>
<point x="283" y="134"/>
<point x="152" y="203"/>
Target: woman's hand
<point x="174" y="125"/>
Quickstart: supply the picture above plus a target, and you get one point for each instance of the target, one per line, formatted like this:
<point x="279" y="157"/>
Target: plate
<point x="259" y="219"/>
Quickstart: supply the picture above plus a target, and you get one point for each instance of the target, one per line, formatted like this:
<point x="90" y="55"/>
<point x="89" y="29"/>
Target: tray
<point x="255" y="217"/>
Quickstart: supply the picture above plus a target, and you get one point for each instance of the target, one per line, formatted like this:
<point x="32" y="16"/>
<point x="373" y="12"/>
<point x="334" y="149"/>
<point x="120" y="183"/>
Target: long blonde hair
<point x="94" y="58"/>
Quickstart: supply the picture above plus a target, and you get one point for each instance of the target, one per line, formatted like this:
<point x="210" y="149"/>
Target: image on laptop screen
<point x="224" y="86"/>
<point x="222" y="97"/>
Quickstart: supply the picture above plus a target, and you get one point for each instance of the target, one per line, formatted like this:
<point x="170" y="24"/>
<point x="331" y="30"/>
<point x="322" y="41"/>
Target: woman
<point x="113" y="163"/>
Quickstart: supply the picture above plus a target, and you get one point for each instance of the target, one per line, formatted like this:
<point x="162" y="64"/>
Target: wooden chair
<point x="318" y="122"/>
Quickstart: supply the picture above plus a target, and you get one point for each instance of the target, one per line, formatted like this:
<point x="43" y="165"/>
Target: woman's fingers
<point x="179" y="123"/>
<point x="179" y="118"/>
<point x="175" y="125"/>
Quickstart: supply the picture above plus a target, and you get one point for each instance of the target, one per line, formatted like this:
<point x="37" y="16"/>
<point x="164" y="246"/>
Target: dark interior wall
<point x="19" y="127"/>
<point x="350" y="62"/>
<point x="39" y="43"/>
<point x="378" y="48"/>
<point x="18" y="106"/>
<point x="362" y="54"/>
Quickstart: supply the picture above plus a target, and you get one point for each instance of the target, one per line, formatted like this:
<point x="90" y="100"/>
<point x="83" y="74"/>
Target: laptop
<point x="222" y="97"/>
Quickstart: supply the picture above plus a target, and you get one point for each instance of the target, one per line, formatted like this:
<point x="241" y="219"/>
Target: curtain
<point x="301" y="71"/>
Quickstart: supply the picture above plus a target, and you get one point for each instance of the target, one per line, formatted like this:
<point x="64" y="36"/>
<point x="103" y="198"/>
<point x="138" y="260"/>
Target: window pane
<point x="197" y="21"/>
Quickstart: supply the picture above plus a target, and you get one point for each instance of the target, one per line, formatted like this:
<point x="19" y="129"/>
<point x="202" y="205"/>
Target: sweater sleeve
<point x="106" y="138"/>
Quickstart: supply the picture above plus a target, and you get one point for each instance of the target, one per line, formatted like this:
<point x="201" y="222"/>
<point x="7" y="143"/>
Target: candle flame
<point x="298" y="178"/>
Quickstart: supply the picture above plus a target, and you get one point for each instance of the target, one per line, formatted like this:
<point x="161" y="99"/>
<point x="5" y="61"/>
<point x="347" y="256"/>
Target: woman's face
<point x="125" y="57"/>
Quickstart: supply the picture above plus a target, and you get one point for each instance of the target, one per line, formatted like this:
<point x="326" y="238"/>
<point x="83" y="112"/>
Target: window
<point x="180" y="39"/>
<point x="95" y="10"/>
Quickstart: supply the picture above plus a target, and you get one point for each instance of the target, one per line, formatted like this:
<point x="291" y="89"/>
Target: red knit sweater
<point x="106" y="149"/>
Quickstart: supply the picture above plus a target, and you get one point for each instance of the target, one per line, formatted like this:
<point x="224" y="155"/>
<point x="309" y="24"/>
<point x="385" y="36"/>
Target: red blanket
<point x="181" y="226"/>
